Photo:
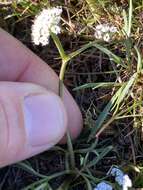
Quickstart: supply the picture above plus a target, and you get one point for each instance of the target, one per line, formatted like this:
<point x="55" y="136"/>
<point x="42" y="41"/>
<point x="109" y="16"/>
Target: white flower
<point x="102" y="27"/>
<point x="98" y="34"/>
<point x="116" y="172"/>
<point x="126" y="182"/>
<point x="105" y="31"/>
<point x="105" y="28"/>
<point x="106" y="37"/>
<point x="121" y="178"/>
<point x="103" y="186"/>
<point x="113" y="29"/>
<point x="47" y="21"/>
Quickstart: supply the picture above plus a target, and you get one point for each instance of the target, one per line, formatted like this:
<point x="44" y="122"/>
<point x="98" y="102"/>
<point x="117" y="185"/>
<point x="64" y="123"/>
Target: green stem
<point x="61" y="77"/>
<point x="65" y="58"/>
<point x="59" y="46"/>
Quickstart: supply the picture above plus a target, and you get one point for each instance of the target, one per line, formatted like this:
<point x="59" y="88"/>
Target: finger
<point x="17" y="63"/>
<point x="32" y="120"/>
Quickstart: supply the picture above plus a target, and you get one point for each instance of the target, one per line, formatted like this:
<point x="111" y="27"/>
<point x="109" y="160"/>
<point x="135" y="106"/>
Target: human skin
<point x="23" y="74"/>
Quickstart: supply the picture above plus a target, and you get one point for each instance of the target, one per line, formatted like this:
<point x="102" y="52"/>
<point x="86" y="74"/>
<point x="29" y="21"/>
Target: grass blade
<point x="125" y="91"/>
<point x="96" y="85"/>
<point x="130" y="18"/>
<point x="112" y="104"/>
<point x="103" y="115"/>
<point x="139" y="61"/>
<point x="109" y="53"/>
<point x="101" y="156"/>
<point x="125" y="28"/>
<point x="93" y="8"/>
<point x="29" y="169"/>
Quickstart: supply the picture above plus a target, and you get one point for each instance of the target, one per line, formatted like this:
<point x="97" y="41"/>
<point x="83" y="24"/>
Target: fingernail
<point x="45" y="119"/>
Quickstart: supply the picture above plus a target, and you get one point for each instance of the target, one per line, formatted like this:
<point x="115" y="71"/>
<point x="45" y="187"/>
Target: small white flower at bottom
<point x="116" y="172"/>
<point x="126" y="182"/>
<point x="103" y="186"/>
<point x="121" y="178"/>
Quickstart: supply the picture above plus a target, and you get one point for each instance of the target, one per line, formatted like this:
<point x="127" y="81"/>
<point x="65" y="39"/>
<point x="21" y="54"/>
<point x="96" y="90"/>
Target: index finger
<point x="18" y="63"/>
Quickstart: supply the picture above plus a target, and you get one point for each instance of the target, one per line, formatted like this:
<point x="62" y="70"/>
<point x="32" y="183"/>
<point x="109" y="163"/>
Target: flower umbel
<point x="103" y="186"/>
<point x="126" y="182"/>
<point x="121" y="178"/>
<point x="47" y="21"/>
<point x="105" y="31"/>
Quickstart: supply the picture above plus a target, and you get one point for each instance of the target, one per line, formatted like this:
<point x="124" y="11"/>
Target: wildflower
<point x="98" y="35"/>
<point x="113" y="29"/>
<point x="105" y="31"/>
<point x="116" y="172"/>
<point x="126" y="182"/>
<point x="106" y="37"/>
<point x="121" y="178"/>
<point x="103" y="186"/>
<point x="47" y="21"/>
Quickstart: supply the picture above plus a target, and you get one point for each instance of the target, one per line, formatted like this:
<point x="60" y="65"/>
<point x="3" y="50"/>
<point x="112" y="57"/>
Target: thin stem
<point x="59" y="46"/>
<point x="61" y="77"/>
<point x="65" y="58"/>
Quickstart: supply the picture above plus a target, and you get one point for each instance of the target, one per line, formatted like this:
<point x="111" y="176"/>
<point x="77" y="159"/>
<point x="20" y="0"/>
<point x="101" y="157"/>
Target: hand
<point x="32" y="116"/>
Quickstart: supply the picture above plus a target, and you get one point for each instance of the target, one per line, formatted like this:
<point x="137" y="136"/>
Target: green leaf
<point x="125" y="90"/>
<point x="93" y="8"/>
<point x="28" y="168"/>
<point x="111" y="55"/>
<point x="104" y="152"/>
<point x="103" y="115"/>
<point x="125" y="28"/>
<point x="97" y="85"/>
<point x="59" y="46"/>
<point x="114" y="103"/>
<point x="128" y="19"/>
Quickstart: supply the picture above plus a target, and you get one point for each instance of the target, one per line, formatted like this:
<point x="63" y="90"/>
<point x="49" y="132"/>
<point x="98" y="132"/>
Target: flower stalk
<point x="65" y="58"/>
<point x="46" y="24"/>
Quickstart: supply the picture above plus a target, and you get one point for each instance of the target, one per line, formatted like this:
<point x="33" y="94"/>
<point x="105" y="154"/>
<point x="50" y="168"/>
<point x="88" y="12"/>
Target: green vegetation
<point x="106" y="79"/>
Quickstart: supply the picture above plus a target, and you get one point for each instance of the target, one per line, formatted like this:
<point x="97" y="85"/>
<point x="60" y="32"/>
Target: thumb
<point x="32" y="120"/>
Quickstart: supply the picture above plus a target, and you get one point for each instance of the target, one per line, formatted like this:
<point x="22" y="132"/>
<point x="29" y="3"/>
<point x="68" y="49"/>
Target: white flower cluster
<point x="47" y="21"/>
<point x="121" y="178"/>
<point x="103" y="186"/>
<point x="104" y="32"/>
